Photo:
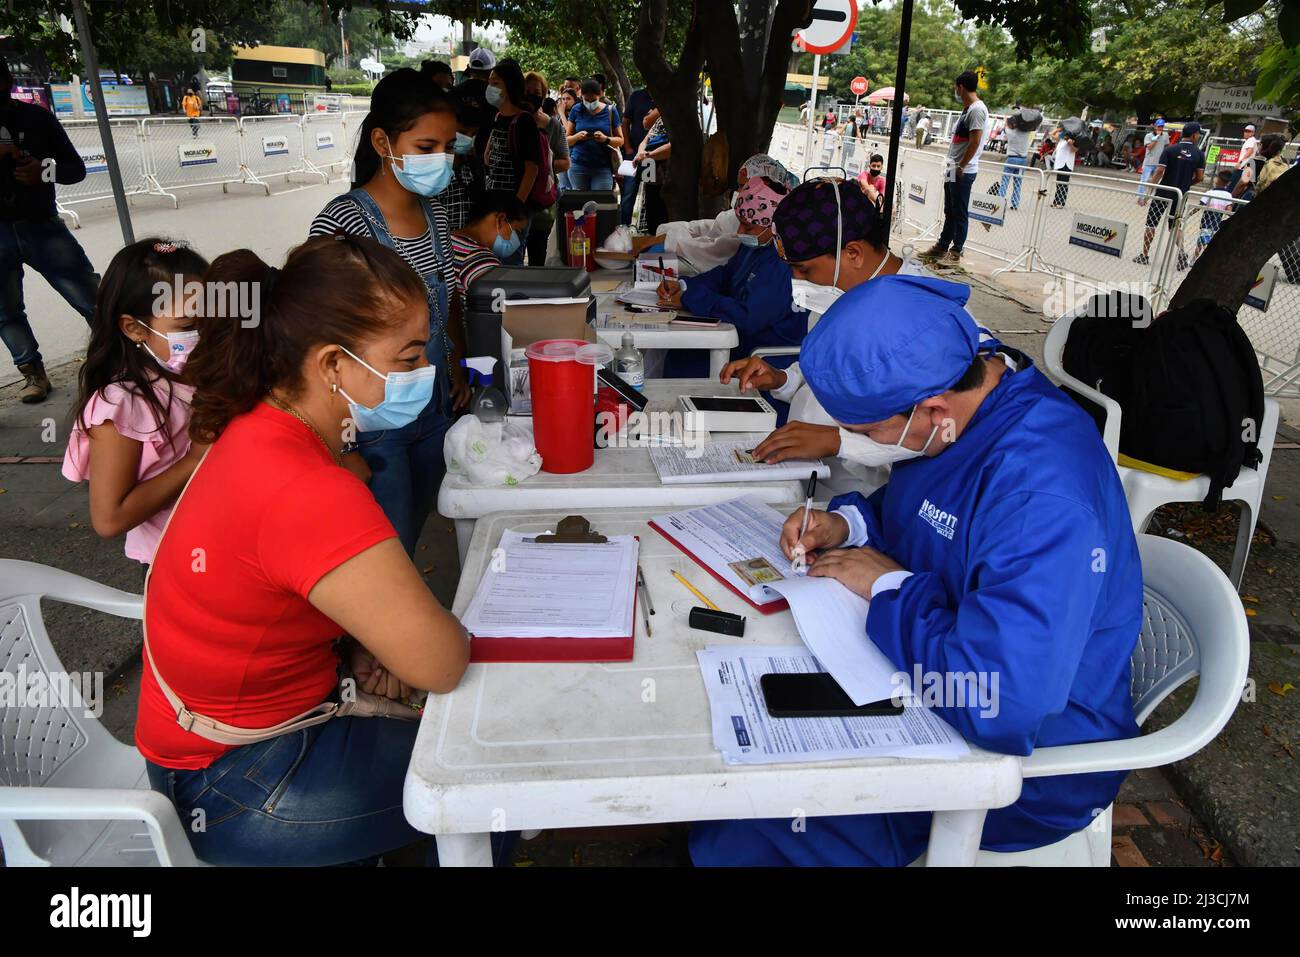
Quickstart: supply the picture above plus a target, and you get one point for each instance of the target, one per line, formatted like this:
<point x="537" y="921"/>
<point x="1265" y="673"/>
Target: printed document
<point x="535" y="589"/>
<point x="746" y="734"/>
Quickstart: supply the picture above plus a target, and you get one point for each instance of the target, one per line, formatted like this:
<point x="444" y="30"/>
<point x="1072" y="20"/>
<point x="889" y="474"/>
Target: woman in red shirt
<point x="275" y="551"/>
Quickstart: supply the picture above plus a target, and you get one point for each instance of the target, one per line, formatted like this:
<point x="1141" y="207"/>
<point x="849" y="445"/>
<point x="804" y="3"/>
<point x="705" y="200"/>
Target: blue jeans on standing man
<point x="1013" y="174"/>
<point x="956" y="216"/>
<point x="48" y="247"/>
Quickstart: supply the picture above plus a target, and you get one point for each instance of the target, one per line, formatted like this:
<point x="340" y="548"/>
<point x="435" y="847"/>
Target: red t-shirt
<point x="267" y="514"/>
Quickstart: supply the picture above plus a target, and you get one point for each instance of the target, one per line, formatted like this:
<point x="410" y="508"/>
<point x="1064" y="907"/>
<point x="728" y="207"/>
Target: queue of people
<point x="264" y="584"/>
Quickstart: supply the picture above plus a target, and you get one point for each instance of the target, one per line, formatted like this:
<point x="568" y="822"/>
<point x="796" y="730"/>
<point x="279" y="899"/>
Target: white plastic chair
<point x="70" y="794"/>
<point x="1146" y="491"/>
<point x="1193" y="624"/>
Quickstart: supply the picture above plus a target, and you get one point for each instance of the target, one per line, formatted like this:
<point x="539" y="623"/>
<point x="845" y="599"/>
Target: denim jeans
<point x="329" y="794"/>
<point x="956" y="215"/>
<point x="1013" y="173"/>
<point x="590" y="177"/>
<point x="407" y="468"/>
<point x="49" y="248"/>
<point x="630" y="185"/>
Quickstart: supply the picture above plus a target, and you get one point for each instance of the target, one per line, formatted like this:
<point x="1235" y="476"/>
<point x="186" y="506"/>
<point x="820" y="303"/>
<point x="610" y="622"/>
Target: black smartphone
<point x="816" y="695"/>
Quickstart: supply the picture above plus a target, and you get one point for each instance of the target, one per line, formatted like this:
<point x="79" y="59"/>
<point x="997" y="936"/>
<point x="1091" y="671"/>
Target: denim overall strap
<point x="438" y="349"/>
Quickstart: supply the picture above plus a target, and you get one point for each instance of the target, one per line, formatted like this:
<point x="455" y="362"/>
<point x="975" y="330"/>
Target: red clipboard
<point x="772" y="606"/>
<point x="551" y="649"/>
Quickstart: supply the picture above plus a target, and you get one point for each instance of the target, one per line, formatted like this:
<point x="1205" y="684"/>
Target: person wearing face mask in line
<point x="752" y="290"/>
<point x="492" y="232"/>
<point x="467" y="170"/>
<point x="551" y="123"/>
<point x="593" y="127"/>
<point x="1001" y="547"/>
<point x="510" y="146"/>
<point x="404" y="159"/>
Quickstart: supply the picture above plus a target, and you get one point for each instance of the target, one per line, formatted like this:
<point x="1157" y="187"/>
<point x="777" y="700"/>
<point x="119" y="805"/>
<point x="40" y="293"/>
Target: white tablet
<point x="727" y="413"/>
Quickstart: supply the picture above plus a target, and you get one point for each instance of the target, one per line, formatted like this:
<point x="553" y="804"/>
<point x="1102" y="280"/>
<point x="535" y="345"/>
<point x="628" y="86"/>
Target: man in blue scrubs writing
<point x="1001" y="545"/>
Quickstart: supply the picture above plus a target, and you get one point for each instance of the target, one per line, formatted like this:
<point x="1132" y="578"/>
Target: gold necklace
<point x="286" y="407"/>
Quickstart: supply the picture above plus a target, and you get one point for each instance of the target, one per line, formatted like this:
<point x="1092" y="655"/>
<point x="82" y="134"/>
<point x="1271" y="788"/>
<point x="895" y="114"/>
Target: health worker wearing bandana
<point x="1001" y="547"/>
<point x="752" y="290"/>
<point x="834" y="236"/>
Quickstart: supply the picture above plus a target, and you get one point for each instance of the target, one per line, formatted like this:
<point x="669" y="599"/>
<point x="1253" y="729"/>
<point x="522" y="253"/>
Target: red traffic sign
<point x="833" y="22"/>
<point x="858" y="85"/>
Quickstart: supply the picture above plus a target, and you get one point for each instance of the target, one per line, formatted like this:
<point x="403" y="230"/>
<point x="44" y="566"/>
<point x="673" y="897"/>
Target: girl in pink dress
<point x="129" y="437"/>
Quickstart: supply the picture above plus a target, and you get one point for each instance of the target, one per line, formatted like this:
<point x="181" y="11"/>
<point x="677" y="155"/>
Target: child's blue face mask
<point x="425" y="174"/>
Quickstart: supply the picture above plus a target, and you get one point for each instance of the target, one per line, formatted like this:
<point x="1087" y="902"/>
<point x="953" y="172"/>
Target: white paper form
<point x="746" y="734"/>
<point x="832" y="622"/>
<point x="544" y="590"/>
<point x="729" y="461"/>
<point x="727" y="532"/>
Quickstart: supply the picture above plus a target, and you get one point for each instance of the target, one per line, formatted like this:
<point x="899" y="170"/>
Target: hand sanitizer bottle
<point x="489" y="405"/>
<point x="630" y="364"/>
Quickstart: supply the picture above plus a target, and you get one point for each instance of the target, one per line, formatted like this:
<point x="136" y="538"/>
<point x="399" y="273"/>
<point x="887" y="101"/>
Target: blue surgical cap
<point x="887" y="344"/>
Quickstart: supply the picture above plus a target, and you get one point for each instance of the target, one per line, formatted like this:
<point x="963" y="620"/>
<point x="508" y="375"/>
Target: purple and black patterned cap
<point x="805" y="223"/>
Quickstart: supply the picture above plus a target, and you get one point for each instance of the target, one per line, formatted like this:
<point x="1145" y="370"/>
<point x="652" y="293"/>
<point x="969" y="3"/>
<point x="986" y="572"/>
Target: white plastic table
<point x="719" y="340"/>
<point x="531" y="746"/>
<point x="618" y="477"/>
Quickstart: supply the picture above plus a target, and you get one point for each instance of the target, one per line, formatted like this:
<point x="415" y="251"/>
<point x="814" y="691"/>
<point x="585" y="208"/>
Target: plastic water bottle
<point x="629" y="363"/>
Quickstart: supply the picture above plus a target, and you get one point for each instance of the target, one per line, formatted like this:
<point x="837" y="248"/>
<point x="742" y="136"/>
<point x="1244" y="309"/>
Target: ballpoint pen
<point x="640" y="577"/>
<point x="645" y="596"/>
<point x="807" y="505"/>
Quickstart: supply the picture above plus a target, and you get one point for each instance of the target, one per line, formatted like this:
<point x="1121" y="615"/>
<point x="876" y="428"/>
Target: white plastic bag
<point x="619" y="241"/>
<point x="493" y="453"/>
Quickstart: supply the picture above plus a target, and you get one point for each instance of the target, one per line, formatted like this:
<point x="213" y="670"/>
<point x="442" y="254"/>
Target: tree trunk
<point x="674" y="92"/>
<point x="747" y="110"/>
<point x="611" y="64"/>
<point x="1244" y="243"/>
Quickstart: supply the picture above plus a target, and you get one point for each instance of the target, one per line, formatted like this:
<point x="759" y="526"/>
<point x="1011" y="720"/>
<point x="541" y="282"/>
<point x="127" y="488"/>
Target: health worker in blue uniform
<point x="752" y="290"/>
<point x="1001" y="547"/>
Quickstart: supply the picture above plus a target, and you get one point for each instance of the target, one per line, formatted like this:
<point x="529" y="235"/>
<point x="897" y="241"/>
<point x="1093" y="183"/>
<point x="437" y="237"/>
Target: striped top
<point x="471" y="259"/>
<point x="342" y="214"/>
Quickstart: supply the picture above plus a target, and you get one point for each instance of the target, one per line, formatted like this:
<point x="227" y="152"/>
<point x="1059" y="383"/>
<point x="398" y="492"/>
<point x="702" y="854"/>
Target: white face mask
<point x="867" y="451"/>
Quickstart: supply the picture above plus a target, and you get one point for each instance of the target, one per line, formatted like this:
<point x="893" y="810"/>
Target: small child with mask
<point x="129" y="437"/>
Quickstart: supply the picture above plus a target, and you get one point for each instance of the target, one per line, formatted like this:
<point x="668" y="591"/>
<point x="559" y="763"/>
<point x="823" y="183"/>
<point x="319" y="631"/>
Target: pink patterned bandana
<point x="757" y="200"/>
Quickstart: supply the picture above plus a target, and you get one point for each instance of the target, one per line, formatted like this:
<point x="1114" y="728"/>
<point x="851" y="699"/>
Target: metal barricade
<point x="271" y="146"/>
<point x="1094" y="230"/>
<point x="131" y="158"/>
<point x="1004" y="212"/>
<point x="325" y="143"/>
<point x="919" y="186"/>
<point x="184" y="153"/>
<point x="1270" y="316"/>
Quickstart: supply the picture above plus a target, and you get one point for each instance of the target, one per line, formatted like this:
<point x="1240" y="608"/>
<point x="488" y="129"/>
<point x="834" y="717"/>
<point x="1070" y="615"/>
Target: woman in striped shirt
<point x="403" y="159"/>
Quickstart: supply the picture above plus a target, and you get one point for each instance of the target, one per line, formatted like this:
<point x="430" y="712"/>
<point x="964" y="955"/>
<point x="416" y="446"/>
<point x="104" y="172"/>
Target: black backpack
<point x="1188" y="383"/>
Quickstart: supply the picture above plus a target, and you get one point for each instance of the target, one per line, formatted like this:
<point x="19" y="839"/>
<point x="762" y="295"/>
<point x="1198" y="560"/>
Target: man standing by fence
<point x="1180" y="167"/>
<point x="960" y="167"/>
<point x="1155" y="141"/>
<point x="35" y="153"/>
